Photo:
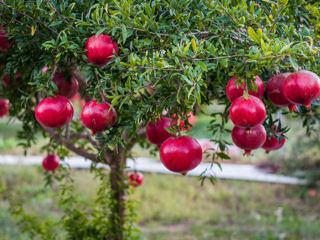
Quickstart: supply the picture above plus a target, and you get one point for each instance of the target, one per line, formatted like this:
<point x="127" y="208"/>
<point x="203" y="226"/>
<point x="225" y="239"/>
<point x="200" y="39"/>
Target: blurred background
<point x="176" y="207"/>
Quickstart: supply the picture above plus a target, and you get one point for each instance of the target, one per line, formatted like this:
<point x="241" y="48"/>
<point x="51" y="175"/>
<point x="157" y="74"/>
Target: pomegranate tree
<point x="134" y="61"/>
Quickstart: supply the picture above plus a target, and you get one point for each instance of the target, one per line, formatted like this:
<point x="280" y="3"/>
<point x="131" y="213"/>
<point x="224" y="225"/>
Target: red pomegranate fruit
<point x="247" y="112"/>
<point x="7" y="82"/>
<point x="4" y="44"/>
<point x="234" y="91"/>
<point x="51" y="163"/>
<point x="97" y="116"/>
<point x="157" y="133"/>
<point x="249" y="138"/>
<point x="66" y="87"/>
<point x="180" y="154"/>
<point x="135" y="179"/>
<point x="302" y="87"/>
<point x="275" y="92"/>
<point x="100" y="50"/>
<point x="272" y="144"/>
<point x="4" y="107"/>
<point x="54" y="112"/>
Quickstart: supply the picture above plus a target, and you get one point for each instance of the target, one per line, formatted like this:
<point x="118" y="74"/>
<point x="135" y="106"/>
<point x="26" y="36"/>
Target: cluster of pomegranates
<point x="55" y="112"/>
<point x="178" y="154"/>
<point x="248" y="111"/>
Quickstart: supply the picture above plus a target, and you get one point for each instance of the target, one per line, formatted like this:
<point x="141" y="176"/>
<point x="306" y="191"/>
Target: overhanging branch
<point x="57" y="137"/>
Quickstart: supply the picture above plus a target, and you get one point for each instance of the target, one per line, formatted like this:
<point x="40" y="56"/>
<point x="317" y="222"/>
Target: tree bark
<point x="118" y="195"/>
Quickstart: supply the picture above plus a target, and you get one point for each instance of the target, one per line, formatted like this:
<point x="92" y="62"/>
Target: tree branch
<point x="84" y="136"/>
<point x="71" y="146"/>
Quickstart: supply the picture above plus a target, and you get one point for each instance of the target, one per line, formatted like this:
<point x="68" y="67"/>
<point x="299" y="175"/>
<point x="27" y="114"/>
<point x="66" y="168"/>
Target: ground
<point x="177" y="207"/>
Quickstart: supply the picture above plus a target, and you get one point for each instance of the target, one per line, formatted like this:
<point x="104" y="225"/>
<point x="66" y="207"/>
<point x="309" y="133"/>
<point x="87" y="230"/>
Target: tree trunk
<point x="118" y="195"/>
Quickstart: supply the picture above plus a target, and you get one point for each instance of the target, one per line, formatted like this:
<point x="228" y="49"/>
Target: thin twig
<point x="57" y="137"/>
<point x="275" y="21"/>
<point x="226" y="11"/>
<point x="34" y="19"/>
<point x="162" y="69"/>
<point x="84" y="136"/>
<point x="62" y="16"/>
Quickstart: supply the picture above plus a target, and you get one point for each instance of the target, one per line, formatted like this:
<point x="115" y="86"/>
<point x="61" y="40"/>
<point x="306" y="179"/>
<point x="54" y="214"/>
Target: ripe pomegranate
<point x="100" y="49"/>
<point x="7" y="82"/>
<point x="248" y="112"/>
<point x="234" y="91"/>
<point x="275" y="92"/>
<point x="67" y="87"/>
<point x="135" y="179"/>
<point x="4" y="107"/>
<point x="98" y="116"/>
<point x="4" y="44"/>
<point x="191" y="119"/>
<point x="302" y="87"/>
<point x="51" y="163"/>
<point x="157" y="133"/>
<point x="180" y="154"/>
<point x="54" y="112"/>
<point x="272" y="144"/>
<point x="249" y="138"/>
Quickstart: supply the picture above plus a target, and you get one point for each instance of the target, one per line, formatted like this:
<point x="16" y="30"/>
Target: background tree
<point x="184" y="51"/>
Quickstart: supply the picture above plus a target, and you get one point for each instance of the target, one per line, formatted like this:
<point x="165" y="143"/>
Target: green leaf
<point x="294" y="64"/>
<point x="222" y="155"/>
<point x="124" y="33"/>
<point x="203" y="66"/>
<point x="253" y="35"/>
<point x="39" y="2"/>
<point x="100" y="31"/>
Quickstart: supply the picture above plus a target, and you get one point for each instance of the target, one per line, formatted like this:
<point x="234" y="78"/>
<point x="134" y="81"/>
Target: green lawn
<point x="176" y="207"/>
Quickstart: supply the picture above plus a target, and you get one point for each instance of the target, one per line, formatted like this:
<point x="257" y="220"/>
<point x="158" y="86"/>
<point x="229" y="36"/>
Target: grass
<point x="176" y="207"/>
